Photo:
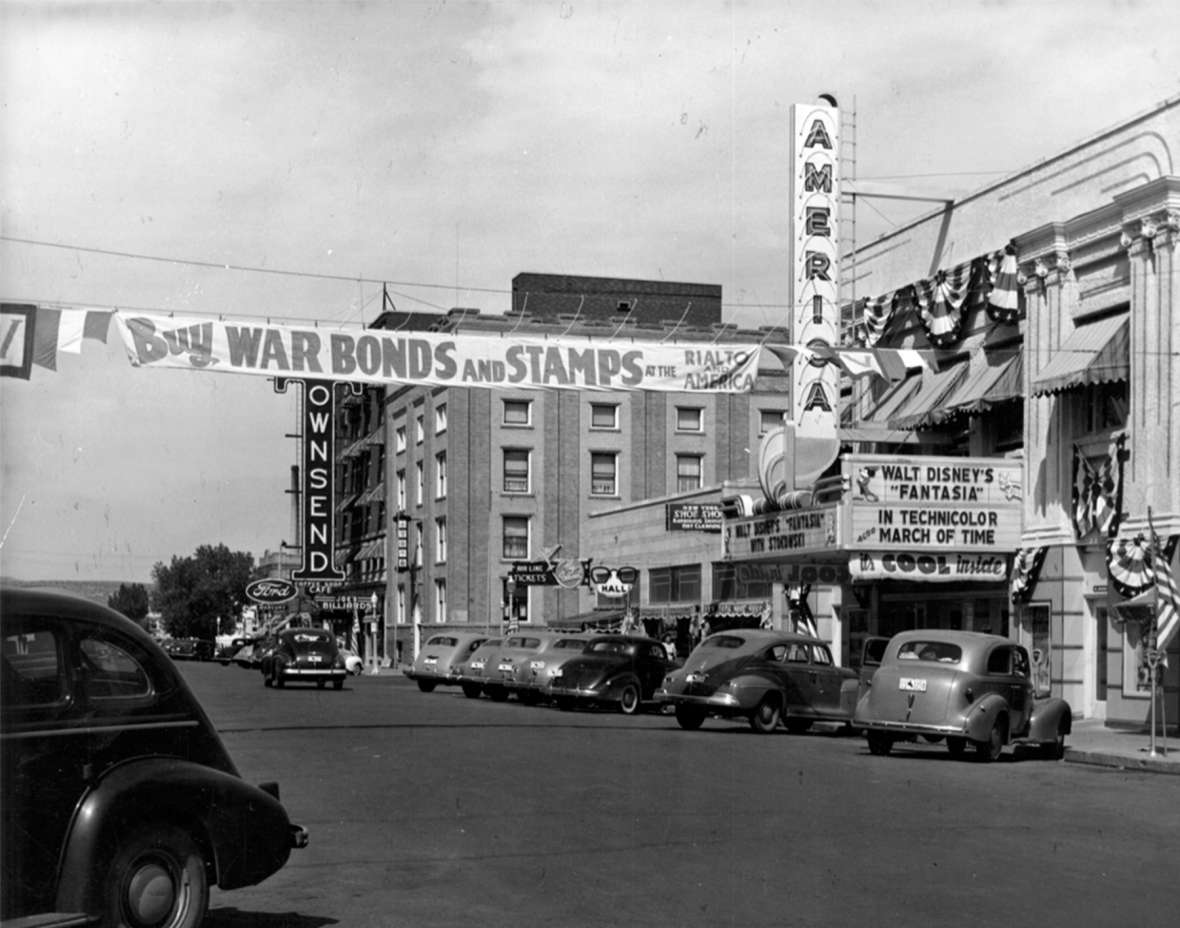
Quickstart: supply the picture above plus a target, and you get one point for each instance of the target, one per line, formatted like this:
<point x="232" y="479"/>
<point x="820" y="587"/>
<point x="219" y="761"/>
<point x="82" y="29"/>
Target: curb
<point x="1122" y="761"/>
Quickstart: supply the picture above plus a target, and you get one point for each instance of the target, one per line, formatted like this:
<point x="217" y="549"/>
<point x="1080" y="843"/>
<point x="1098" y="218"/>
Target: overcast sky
<point x="445" y="147"/>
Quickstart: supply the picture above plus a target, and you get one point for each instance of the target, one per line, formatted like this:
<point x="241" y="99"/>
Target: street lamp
<point x="371" y="650"/>
<point x="509" y="602"/>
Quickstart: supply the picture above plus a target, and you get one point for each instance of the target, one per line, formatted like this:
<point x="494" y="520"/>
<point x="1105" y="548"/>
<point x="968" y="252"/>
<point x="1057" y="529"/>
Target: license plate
<point x="694" y="678"/>
<point x="506" y="667"/>
<point x="314" y="658"/>
<point x="430" y="661"/>
<point x="912" y="684"/>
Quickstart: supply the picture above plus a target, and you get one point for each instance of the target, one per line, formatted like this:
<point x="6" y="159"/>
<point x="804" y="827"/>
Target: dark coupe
<point x="766" y="677"/>
<point x="304" y="655"/>
<point x="623" y="671"/>
<point x="120" y="803"/>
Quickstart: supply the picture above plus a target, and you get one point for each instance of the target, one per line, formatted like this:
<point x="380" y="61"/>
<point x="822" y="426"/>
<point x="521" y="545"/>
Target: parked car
<point x="529" y="678"/>
<point x="439" y="659"/>
<point x="766" y="677"/>
<point x="120" y="803"/>
<point x="304" y="655"/>
<point x="191" y="649"/>
<point x="514" y="655"/>
<point x="967" y="687"/>
<point x="623" y="671"/>
<point x="353" y="662"/>
<point x="226" y="654"/>
<point x="473" y="674"/>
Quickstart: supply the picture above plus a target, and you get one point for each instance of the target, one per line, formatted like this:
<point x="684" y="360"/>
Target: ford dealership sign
<point x="270" y="590"/>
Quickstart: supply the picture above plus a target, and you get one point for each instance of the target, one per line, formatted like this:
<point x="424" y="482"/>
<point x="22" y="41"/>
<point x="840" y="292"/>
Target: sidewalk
<point x="1093" y="743"/>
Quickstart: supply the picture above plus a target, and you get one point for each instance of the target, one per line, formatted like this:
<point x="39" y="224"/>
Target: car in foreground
<point x="473" y="674"/>
<point x="766" y="677"/>
<point x="304" y="655"/>
<point x="439" y="660"/>
<point x="620" y="671"/>
<point x="967" y="687"/>
<point x="530" y="678"/>
<point x="120" y="805"/>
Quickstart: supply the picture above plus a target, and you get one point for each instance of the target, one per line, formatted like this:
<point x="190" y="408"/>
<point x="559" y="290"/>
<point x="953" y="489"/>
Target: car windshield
<point x="443" y="641"/>
<point x="524" y="644"/>
<point x="724" y="641"/>
<point x="941" y="652"/>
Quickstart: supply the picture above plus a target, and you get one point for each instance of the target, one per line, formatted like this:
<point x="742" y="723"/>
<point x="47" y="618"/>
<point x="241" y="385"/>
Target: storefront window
<point x="1037" y="618"/>
<point x="674" y="584"/>
<point x="729" y="585"/>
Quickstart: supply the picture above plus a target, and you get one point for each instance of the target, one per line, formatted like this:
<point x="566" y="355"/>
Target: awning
<point x="917" y="413"/>
<point x="984" y="388"/>
<point x="892" y="400"/>
<point x="1097" y="352"/>
<point x="595" y="619"/>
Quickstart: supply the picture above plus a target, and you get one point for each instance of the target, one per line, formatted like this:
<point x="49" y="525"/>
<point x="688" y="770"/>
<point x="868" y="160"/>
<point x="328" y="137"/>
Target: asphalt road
<point x="435" y="810"/>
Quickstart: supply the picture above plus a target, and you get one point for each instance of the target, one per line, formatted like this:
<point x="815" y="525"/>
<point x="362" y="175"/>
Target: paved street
<point x="435" y="810"/>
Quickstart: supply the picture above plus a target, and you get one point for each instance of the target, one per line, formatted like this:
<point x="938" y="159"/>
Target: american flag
<point x="1168" y="615"/>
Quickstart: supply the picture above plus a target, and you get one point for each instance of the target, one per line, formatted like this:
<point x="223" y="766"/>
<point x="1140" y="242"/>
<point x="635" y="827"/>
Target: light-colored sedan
<point x="765" y="677"/>
<point x="967" y="687"/>
<point x="479" y="666"/>
<point x="440" y="658"/>
<point x="512" y="663"/>
<point x="530" y="677"/>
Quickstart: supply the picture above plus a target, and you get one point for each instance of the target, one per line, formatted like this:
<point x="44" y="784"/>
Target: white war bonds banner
<point x="377" y="356"/>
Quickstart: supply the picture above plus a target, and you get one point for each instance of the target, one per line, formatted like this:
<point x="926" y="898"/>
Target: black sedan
<point x="120" y="804"/>
<point x="304" y="655"/>
<point x="622" y="671"/>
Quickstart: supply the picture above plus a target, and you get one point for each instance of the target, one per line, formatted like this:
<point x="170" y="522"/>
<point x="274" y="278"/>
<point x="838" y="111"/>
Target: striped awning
<point x="1097" y="352"/>
<point x="892" y="400"/>
<point x="989" y="385"/>
<point x="919" y="411"/>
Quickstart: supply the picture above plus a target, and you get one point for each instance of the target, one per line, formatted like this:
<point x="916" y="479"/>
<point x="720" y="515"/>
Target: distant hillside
<point x="97" y="590"/>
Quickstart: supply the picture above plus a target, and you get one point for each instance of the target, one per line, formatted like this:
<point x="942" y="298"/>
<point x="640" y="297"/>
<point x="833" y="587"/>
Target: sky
<point x="284" y="159"/>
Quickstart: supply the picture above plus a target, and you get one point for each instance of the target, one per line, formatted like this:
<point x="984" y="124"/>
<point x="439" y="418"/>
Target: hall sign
<point x="929" y="568"/>
<point x="437" y="359"/>
<point x="779" y="534"/>
<point x="932" y="504"/>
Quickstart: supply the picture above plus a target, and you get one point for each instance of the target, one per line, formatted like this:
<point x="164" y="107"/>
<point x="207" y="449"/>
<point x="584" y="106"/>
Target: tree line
<point x="199" y="596"/>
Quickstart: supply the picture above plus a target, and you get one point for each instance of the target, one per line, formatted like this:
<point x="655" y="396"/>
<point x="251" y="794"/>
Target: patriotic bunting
<point x="1026" y="568"/>
<point x="1003" y="300"/>
<point x="940" y="303"/>
<point x="1168" y="595"/>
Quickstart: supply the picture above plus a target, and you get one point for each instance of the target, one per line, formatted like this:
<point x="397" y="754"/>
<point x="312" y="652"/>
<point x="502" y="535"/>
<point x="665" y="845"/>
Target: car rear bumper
<point x="909" y="728"/>
<point x="315" y="673"/>
<point x="723" y="703"/>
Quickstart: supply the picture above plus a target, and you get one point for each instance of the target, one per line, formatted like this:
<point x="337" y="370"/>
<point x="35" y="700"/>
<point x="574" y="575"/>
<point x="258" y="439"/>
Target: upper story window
<point x="604" y="416"/>
<point x="440" y="418"/>
<point x="516" y="470"/>
<point x="604" y="474"/>
<point x="689" y="419"/>
<point x="688" y="472"/>
<point x="1106" y="406"/>
<point x="516" y="537"/>
<point x="440" y="540"/>
<point x="518" y="412"/>
<point x="419" y="484"/>
<point x="420" y="428"/>
<point x="400" y="487"/>
<point x="399" y="439"/>
<point x="768" y="420"/>
<point x="440" y="600"/>
<point x="440" y="475"/>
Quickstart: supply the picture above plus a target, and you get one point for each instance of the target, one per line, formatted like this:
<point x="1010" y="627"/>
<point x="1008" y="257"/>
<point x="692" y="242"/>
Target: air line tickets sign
<point x="439" y="359"/>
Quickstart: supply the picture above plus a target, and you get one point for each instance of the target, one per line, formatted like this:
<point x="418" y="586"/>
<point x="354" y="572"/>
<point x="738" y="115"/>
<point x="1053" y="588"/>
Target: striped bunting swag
<point x="1003" y="300"/>
<point x="940" y="303"/>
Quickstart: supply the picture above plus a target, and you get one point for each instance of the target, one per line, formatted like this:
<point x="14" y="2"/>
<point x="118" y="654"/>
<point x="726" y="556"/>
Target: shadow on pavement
<point x="228" y="917"/>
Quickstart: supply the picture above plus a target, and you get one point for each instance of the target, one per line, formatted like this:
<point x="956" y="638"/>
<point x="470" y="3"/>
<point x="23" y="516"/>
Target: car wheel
<point x="1055" y="749"/>
<point x="690" y="717"/>
<point x="765" y="717"/>
<point x="497" y="694"/>
<point x="565" y="703"/>
<point x="956" y="746"/>
<point x="338" y="684"/>
<point x="798" y="726"/>
<point x="629" y="701"/>
<point x="529" y="697"/>
<point x="472" y="690"/>
<point x="278" y="677"/>
<point x="156" y="879"/>
<point x="426" y="686"/>
<point x="989" y="750"/>
<point x="880" y="743"/>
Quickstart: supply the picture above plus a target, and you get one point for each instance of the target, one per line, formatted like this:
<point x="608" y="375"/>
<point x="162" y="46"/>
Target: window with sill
<point x="604" y="416"/>
<point x="689" y="419"/>
<point x="516" y="470"/>
<point x="518" y="412"/>
<point x="604" y="473"/>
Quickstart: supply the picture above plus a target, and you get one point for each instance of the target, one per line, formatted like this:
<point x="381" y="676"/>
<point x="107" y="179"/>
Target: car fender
<point x="1047" y="715"/>
<point x="849" y="694"/>
<point x="244" y="832"/>
<point x="750" y="689"/>
<point x="982" y="716"/>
